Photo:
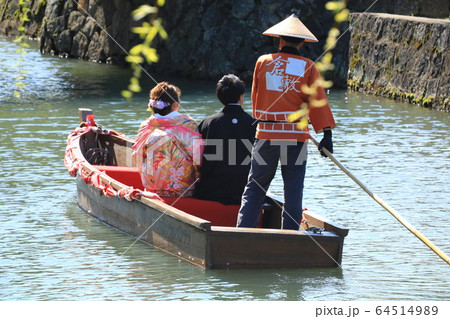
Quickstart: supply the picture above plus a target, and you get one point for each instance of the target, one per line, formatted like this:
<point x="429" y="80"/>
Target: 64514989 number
<point x="405" y="310"/>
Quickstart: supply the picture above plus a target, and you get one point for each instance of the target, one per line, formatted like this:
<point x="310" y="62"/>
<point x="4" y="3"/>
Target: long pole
<point x="393" y="212"/>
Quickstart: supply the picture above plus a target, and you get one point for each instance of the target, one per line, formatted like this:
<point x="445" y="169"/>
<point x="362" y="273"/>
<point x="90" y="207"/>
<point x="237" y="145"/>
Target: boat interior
<point x="111" y="154"/>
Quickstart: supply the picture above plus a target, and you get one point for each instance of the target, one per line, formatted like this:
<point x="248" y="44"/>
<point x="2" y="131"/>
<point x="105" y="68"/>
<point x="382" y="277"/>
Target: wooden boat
<point x="201" y="232"/>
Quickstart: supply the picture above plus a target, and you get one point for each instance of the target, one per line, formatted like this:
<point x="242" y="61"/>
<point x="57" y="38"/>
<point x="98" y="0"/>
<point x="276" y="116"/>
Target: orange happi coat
<point x="277" y="92"/>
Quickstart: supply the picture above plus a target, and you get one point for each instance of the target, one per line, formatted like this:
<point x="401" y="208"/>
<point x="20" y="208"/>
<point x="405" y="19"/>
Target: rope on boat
<point x="315" y="230"/>
<point x="97" y="156"/>
<point x="75" y="166"/>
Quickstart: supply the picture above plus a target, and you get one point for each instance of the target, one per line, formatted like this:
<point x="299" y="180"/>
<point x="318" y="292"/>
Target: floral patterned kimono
<point x="166" y="151"/>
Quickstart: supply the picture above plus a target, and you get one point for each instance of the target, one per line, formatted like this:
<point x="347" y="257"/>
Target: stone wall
<point x="208" y="38"/>
<point x="405" y="58"/>
<point x="417" y="8"/>
<point x="226" y="36"/>
<point x="9" y="23"/>
<point x="93" y="30"/>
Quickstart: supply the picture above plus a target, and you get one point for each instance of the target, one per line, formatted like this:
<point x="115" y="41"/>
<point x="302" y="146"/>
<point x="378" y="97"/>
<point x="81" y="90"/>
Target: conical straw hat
<point x="291" y="27"/>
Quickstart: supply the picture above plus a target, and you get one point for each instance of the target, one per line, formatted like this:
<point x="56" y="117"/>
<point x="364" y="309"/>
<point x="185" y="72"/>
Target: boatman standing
<point x="277" y="92"/>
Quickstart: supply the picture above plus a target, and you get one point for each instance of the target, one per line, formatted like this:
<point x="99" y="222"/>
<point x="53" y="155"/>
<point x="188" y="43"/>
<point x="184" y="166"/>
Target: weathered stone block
<point x="79" y="45"/>
<point x="403" y="56"/>
<point x="53" y="9"/>
<point x="56" y="25"/>
<point x="89" y="27"/>
<point x="64" y="43"/>
<point x="76" y="21"/>
<point x="95" y="50"/>
<point x="243" y="8"/>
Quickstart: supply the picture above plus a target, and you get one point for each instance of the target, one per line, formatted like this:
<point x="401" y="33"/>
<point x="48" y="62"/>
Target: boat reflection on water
<point x="148" y="273"/>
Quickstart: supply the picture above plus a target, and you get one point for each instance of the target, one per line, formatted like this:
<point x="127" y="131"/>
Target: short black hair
<point x="292" y="40"/>
<point x="229" y="89"/>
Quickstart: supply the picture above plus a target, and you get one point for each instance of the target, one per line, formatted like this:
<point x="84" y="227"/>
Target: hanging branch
<point x="144" y="52"/>
<point x="22" y="15"/>
<point x="323" y="65"/>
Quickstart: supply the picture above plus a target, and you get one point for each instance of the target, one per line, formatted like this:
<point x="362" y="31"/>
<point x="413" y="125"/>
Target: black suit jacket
<point x="228" y="137"/>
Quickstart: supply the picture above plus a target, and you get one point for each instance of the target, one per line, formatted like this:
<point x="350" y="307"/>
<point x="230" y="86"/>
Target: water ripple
<point x="50" y="250"/>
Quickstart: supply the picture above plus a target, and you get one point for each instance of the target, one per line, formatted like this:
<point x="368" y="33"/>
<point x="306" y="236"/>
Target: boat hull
<point x="148" y="224"/>
<point x="211" y="247"/>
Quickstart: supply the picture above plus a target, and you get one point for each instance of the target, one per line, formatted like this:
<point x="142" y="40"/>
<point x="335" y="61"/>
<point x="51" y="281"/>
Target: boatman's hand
<point x="326" y="142"/>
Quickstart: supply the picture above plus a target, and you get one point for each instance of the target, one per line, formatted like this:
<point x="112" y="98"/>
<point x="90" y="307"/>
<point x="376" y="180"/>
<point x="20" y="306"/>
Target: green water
<point x="51" y="250"/>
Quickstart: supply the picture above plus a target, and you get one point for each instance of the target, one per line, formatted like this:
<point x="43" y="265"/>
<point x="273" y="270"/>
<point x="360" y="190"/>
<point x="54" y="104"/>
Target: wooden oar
<point x="394" y="213"/>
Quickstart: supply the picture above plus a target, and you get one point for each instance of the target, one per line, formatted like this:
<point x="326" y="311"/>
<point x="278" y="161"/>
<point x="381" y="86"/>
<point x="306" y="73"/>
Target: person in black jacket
<point x="228" y="136"/>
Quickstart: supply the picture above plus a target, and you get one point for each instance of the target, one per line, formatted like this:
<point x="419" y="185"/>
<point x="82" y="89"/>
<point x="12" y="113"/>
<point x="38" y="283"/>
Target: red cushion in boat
<point x="127" y="175"/>
<point x="215" y="212"/>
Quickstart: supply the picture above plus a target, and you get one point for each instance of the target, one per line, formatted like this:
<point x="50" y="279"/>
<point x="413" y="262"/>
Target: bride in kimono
<point x="168" y="147"/>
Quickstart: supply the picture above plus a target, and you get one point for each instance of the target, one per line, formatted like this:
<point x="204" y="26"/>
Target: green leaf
<point x="335" y="5"/>
<point x="309" y="90"/>
<point x="341" y="16"/>
<point x="150" y="55"/>
<point x="142" y="11"/>
<point x="137" y="49"/>
<point x="330" y="43"/>
<point x="134" y="59"/>
<point x="134" y="81"/>
<point x="127" y="94"/>
<point x="318" y="103"/>
<point x="327" y="58"/>
<point x="334" y="32"/>
<point x="324" y="84"/>
<point x="298" y="114"/>
<point x="151" y="34"/>
<point x="163" y="33"/>
<point x="134" y="87"/>
<point x="142" y="30"/>
<point x="303" y="124"/>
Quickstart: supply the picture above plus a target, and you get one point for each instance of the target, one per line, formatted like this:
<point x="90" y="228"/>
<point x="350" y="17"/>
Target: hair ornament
<point x="157" y="104"/>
